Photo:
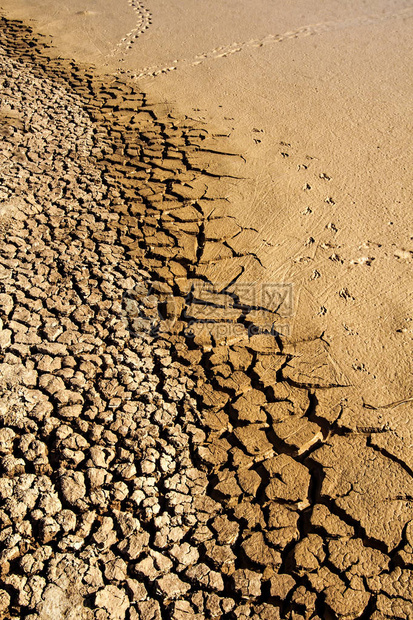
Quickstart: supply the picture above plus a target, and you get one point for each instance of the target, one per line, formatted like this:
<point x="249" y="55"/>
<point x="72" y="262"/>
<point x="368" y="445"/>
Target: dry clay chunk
<point x="368" y="486"/>
<point x="312" y="365"/>
<point x="289" y="480"/>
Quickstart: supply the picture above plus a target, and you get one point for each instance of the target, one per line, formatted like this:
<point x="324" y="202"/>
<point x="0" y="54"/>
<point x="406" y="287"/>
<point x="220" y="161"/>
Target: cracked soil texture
<point x="163" y="454"/>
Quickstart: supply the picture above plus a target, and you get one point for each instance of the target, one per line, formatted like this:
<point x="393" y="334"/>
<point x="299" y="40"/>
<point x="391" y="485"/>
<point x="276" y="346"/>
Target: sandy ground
<point x="317" y="99"/>
<point x="204" y="470"/>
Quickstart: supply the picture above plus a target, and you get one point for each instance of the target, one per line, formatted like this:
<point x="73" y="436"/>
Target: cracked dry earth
<point x="161" y="454"/>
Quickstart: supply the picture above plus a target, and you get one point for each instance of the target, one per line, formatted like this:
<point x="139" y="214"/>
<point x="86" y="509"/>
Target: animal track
<point x="143" y="23"/>
<point x="403" y="255"/>
<point x="233" y="48"/>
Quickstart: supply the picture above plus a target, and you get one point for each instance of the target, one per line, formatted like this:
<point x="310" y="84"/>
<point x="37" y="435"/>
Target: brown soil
<point x="165" y="452"/>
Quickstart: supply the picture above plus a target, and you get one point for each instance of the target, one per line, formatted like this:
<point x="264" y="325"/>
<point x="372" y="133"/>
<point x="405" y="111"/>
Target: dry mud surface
<point x="162" y="454"/>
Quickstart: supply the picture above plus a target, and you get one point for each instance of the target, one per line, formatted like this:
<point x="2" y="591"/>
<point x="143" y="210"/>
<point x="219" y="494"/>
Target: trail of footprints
<point x="323" y="246"/>
<point x="143" y="22"/>
<point x="162" y="453"/>
<point x="225" y="51"/>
